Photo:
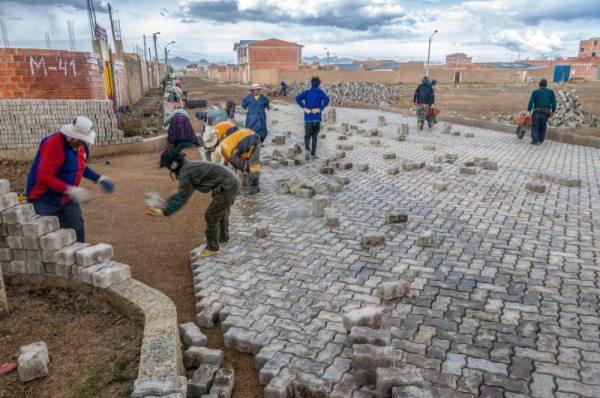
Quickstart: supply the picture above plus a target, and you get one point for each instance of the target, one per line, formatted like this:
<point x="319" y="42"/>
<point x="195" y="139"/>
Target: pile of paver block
<point x="23" y="123"/>
<point x="33" y="244"/>
<point x="210" y="378"/>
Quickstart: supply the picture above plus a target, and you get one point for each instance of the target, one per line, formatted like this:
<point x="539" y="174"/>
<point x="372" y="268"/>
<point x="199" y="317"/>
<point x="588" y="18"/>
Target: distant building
<point x="589" y="48"/>
<point x="388" y="67"/>
<point x="372" y="64"/>
<point x="267" y="54"/>
<point x="458" y="59"/>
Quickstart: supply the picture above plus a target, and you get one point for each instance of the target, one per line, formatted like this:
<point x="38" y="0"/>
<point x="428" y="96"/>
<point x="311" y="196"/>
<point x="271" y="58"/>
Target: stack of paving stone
<point x="32" y="244"/>
<point x="570" y="112"/>
<point x="23" y="123"/>
<point x="210" y="379"/>
<point x="346" y="92"/>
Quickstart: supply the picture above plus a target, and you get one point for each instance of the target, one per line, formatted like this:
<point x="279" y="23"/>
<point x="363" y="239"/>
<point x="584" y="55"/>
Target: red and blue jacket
<point x="57" y="166"/>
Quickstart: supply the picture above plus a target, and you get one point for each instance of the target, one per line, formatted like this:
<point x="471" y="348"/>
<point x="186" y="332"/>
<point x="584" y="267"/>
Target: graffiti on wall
<point x="40" y="65"/>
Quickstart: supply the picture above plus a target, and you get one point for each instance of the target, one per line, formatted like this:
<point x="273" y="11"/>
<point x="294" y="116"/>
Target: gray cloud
<point x="77" y="4"/>
<point x="565" y="11"/>
<point x="355" y="15"/>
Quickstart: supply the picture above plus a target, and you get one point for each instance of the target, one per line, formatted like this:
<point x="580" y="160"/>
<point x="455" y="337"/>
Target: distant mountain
<point x="203" y="62"/>
<point x="178" y="62"/>
<point x="332" y="60"/>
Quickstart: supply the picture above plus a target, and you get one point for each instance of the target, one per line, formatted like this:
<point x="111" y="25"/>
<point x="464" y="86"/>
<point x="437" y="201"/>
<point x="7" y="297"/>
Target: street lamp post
<point x="154" y="37"/>
<point x="167" y="56"/>
<point x="429" y="52"/>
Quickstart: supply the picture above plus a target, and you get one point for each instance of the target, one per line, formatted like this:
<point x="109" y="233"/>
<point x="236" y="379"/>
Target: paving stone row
<point x="500" y="294"/>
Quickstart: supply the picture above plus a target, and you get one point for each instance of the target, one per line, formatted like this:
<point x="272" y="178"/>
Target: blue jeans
<point x="69" y="215"/>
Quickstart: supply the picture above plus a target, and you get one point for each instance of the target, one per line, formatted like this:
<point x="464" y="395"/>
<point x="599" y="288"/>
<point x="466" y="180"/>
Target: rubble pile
<point x="570" y="112"/>
<point x="345" y="92"/>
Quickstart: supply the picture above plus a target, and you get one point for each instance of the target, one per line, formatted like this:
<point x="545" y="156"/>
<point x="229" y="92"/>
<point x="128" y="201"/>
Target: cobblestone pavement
<point x="503" y="303"/>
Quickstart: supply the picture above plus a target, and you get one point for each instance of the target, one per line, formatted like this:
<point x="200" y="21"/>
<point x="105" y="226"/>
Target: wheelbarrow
<point x="523" y="124"/>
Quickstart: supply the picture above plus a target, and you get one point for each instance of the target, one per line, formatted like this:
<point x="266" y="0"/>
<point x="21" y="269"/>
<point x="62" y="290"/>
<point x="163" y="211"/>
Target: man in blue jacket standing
<point x="313" y="101"/>
<point x="542" y="104"/>
<point x="256" y="118"/>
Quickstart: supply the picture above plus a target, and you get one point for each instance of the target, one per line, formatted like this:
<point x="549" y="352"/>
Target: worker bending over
<point x="205" y="177"/>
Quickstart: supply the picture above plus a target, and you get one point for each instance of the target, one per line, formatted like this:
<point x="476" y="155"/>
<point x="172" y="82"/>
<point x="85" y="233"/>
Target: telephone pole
<point x="145" y="49"/>
<point x="156" y="56"/>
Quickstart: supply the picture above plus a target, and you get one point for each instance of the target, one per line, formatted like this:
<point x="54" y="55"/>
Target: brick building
<point x="267" y="54"/>
<point x="589" y="48"/>
<point x="458" y="59"/>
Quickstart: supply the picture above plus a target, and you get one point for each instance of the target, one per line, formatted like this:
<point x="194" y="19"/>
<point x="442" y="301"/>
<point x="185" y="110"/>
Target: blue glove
<point x="107" y="183"/>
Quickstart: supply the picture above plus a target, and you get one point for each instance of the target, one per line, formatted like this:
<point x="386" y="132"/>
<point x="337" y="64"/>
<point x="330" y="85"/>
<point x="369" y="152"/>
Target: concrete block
<point x="381" y="121"/>
<point x="401" y="137"/>
<point x="262" y="230"/>
<point x="434" y="168"/>
<point x="333" y="187"/>
<point x="372" y="239"/>
<point x="397" y="218"/>
<point x="332" y="219"/>
<point x="239" y="339"/>
<point x="469" y="171"/>
<point x="279" y="140"/>
<point x="35" y="267"/>
<point x="223" y="383"/>
<point x="448" y="128"/>
<point x="58" y="239"/>
<point x="389" y="156"/>
<point x="363" y="167"/>
<point x="193" y="357"/>
<point x="392" y="290"/>
<point x="393" y="170"/>
<point x="375" y="142"/>
<point x="366" y="335"/>
<point x="367" y="358"/>
<point x="439" y="185"/>
<point x="191" y="335"/>
<point x="319" y="203"/>
<point x="274" y="164"/>
<point x="369" y="316"/>
<point x="4" y="186"/>
<point x="94" y="254"/>
<point x="535" y="187"/>
<point x="425" y="239"/>
<point x="346" y="165"/>
<point x="343" y="180"/>
<point x="64" y="256"/>
<point x="282" y="187"/>
<point x="310" y="386"/>
<point x="18" y="214"/>
<point x="14" y="242"/>
<point x="469" y="135"/>
<point x="18" y="267"/>
<point x="8" y="200"/>
<point x="390" y="377"/>
<point x="327" y="170"/>
<point x="39" y="226"/>
<point x="201" y="381"/>
<point x="33" y="361"/>
<point x="6" y="254"/>
<point x="429" y="147"/>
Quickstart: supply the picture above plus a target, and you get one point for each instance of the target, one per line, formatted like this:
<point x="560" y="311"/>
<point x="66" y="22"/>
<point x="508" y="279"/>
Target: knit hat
<point x="256" y="86"/>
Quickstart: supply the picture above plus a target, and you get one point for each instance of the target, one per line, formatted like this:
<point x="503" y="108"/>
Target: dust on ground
<point x="94" y="350"/>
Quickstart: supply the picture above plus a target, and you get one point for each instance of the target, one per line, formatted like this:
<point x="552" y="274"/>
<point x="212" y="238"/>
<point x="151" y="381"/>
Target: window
<point x="595" y="42"/>
<point x="581" y="49"/>
<point x="593" y="54"/>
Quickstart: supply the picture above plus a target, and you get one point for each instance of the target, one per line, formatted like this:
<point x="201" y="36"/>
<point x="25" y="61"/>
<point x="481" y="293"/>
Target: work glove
<point x="107" y="183"/>
<point x="152" y="211"/>
<point x="79" y="195"/>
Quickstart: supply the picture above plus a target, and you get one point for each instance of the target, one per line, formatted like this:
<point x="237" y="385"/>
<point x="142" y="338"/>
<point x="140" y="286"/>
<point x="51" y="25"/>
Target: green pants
<point x="217" y="218"/>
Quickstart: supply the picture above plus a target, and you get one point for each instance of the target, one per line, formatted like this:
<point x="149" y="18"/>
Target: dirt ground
<point x="147" y="117"/>
<point x="94" y="351"/>
<point x="213" y="91"/>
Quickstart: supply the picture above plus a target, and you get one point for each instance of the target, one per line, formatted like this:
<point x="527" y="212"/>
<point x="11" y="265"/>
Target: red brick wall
<point x="286" y="58"/>
<point x="49" y="74"/>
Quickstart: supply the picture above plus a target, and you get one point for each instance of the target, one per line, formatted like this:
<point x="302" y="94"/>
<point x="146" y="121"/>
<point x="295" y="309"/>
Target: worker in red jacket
<point x="53" y="181"/>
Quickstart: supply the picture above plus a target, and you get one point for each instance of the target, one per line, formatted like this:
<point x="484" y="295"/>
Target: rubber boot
<point x="254" y="183"/>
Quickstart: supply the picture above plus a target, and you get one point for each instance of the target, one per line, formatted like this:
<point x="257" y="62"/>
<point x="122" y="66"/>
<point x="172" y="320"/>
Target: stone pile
<point x="292" y="157"/>
<point x="32" y="244"/>
<point x="209" y="377"/>
<point x="345" y="92"/>
<point x="570" y="112"/>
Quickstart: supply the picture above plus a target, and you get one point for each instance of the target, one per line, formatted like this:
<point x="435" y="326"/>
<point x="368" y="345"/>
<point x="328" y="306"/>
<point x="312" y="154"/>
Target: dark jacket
<point x="424" y="94"/>
<point x="256" y="118"/>
<point x="203" y="177"/>
<point x="313" y="101"/>
<point x="542" y="98"/>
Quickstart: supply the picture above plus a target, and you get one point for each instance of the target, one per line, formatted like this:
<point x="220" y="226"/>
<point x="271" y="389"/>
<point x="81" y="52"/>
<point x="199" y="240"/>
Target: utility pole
<point x="429" y="52"/>
<point x="167" y="56"/>
<point x="327" y="52"/>
<point x="71" y="36"/>
<point x="4" y="34"/>
<point x="156" y="56"/>
<point x="145" y="49"/>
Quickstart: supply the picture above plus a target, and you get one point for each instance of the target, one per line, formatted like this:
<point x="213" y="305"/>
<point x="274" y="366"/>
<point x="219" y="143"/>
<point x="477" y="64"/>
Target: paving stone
<point x="487" y="366"/>
<point x="319" y="204"/>
<point x="191" y="335"/>
<point x="393" y="170"/>
<point x="363" y="167"/>
<point x="397" y="218"/>
<point x="388" y="378"/>
<point x="535" y="187"/>
<point x="327" y="170"/>
<point x="239" y="339"/>
<point x="389" y="156"/>
<point x="440" y="186"/>
<point x="375" y="142"/>
<point x="310" y="386"/>
<point x="279" y="140"/>
<point x="331" y="218"/>
<point x="223" y="382"/>
<point x="425" y="239"/>
<point x="33" y="361"/>
<point x="8" y="200"/>
<point x="194" y="356"/>
<point x="468" y="170"/>
<point x="103" y="275"/>
<point x="18" y="214"/>
<point x="366" y="359"/>
<point x="393" y="290"/>
<point x="367" y="335"/>
<point x="4" y="186"/>
<point x="434" y="168"/>
<point x="58" y="239"/>
<point x="201" y="381"/>
<point x="280" y="386"/>
<point x="333" y="187"/>
<point x="429" y="147"/>
<point x="506" y="383"/>
<point x="372" y="239"/>
<point x="262" y="230"/>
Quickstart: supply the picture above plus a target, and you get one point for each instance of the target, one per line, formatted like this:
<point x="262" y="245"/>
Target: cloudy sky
<point x="390" y="29"/>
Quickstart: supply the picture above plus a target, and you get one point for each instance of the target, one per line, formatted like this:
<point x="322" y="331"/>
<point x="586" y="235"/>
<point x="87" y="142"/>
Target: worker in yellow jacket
<point x="241" y="148"/>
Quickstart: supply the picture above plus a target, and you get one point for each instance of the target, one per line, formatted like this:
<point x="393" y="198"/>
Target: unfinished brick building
<point x="589" y="48"/>
<point x="267" y="54"/>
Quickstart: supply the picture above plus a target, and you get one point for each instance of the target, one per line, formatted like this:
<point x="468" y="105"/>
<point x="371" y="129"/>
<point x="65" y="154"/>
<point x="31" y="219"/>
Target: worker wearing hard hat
<point x="204" y="177"/>
<point x="53" y="180"/>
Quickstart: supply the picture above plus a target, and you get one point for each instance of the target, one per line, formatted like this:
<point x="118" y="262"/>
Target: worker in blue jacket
<point x="542" y="104"/>
<point x="256" y="118"/>
<point x="313" y="101"/>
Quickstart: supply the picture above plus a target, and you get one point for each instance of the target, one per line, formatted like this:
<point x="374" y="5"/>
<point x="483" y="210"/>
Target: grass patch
<point x="102" y="376"/>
